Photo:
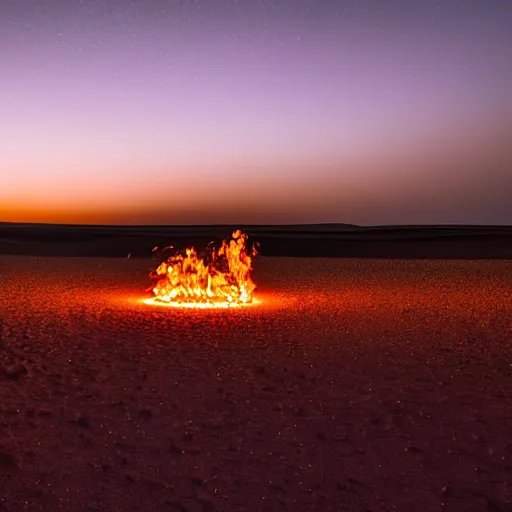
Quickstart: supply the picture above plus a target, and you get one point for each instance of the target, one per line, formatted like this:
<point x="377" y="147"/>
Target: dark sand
<point x="314" y="240"/>
<point x="356" y="385"/>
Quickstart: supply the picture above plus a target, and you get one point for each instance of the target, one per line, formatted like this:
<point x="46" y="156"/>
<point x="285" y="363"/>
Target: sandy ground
<point x="354" y="385"/>
<point x="315" y="240"/>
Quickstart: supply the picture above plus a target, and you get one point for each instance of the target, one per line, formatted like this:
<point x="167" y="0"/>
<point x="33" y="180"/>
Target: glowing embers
<point x="199" y="305"/>
<point x="219" y="278"/>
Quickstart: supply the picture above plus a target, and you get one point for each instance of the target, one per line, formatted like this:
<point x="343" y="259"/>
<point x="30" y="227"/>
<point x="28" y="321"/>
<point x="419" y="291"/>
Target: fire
<point x="218" y="279"/>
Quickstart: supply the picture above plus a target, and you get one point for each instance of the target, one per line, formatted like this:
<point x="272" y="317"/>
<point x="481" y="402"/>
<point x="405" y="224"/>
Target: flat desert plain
<point x="359" y="385"/>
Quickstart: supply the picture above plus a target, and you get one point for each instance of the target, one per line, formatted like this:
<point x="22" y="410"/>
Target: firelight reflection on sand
<point x="218" y="279"/>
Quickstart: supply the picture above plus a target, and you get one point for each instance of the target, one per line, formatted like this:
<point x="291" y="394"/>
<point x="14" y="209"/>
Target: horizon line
<point x="242" y="225"/>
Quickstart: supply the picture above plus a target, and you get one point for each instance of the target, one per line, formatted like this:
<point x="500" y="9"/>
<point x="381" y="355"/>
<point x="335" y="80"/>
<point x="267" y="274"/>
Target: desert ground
<point x="359" y="385"/>
<point x="309" y="240"/>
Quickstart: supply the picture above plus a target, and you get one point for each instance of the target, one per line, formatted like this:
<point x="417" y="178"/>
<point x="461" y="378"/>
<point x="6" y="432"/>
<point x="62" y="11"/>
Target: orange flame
<point x="221" y="279"/>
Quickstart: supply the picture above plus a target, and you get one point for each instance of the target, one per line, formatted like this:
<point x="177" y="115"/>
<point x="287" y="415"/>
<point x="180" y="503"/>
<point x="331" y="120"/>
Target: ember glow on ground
<point x="199" y="305"/>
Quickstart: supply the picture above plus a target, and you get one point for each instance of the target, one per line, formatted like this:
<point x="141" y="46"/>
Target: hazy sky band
<point x="167" y="110"/>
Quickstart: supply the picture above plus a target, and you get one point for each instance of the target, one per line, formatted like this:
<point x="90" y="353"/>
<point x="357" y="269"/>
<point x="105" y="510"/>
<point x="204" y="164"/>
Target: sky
<point x="368" y="112"/>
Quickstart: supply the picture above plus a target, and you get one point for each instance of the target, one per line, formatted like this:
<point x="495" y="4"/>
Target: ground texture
<point x="355" y="385"/>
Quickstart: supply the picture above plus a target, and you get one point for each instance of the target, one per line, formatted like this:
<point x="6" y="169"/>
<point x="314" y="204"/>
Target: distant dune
<point x="305" y="240"/>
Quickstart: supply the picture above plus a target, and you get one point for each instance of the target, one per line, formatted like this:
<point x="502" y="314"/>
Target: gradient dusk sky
<point x="256" y="111"/>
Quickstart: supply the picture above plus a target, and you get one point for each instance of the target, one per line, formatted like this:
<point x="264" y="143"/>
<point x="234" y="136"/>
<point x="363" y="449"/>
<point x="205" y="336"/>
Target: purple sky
<point x="251" y="111"/>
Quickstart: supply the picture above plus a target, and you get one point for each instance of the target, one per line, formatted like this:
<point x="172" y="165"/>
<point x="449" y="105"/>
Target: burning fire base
<point x="216" y="279"/>
<point x="198" y="305"/>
